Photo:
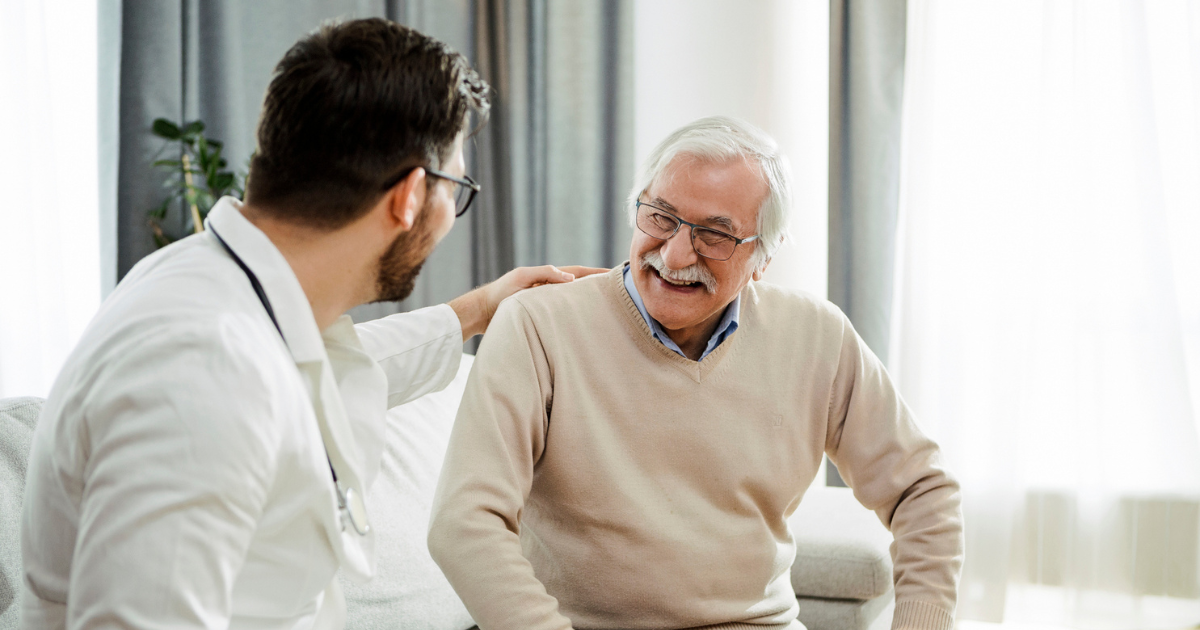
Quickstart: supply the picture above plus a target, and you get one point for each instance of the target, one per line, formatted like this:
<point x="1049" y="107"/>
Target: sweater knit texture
<point x="597" y="480"/>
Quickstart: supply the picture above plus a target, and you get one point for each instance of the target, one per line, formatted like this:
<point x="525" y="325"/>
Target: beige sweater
<point x="597" y="479"/>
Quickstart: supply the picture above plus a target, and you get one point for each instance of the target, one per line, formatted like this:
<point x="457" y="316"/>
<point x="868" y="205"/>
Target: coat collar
<point x="292" y="310"/>
<point x="343" y="382"/>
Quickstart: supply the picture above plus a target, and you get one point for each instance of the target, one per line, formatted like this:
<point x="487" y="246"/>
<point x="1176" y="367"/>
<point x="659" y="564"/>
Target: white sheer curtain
<point x="49" y="215"/>
<point x="1047" y="323"/>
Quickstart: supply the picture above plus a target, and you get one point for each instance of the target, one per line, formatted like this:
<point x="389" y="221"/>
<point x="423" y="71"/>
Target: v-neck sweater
<point x="725" y="326"/>
<point x="596" y="479"/>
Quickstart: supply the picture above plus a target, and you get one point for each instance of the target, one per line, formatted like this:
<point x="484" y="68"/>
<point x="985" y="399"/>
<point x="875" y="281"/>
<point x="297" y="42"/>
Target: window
<point x="49" y="220"/>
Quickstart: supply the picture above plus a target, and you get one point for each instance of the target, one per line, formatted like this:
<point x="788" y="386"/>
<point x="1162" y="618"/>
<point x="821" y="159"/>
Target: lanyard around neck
<point x="348" y="501"/>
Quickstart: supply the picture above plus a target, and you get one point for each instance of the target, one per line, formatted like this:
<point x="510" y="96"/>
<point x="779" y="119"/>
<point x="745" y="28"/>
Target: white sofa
<point x="842" y="574"/>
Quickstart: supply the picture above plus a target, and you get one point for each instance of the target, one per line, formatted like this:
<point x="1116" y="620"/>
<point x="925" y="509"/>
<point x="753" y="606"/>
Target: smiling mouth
<point x="675" y="284"/>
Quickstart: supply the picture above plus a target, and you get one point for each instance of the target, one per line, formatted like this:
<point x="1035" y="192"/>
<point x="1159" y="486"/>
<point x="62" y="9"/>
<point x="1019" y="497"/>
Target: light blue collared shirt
<point x="725" y="327"/>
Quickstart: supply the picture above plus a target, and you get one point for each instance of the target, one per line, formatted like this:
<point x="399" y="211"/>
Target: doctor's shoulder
<point x="189" y="282"/>
<point x="183" y="309"/>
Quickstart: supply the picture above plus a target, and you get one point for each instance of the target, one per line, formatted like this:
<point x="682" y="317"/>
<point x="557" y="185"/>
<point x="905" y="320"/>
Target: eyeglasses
<point x="709" y="243"/>
<point x="464" y="194"/>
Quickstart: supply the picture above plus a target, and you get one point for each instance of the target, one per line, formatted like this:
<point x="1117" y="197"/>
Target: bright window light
<point x="1048" y="299"/>
<point x="49" y="221"/>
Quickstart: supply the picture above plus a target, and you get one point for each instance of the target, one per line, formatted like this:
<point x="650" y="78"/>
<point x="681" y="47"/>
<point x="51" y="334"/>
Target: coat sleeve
<point x="498" y="438"/>
<point x="419" y="351"/>
<point x="897" y="471"/>
<point x="181" y="452"/>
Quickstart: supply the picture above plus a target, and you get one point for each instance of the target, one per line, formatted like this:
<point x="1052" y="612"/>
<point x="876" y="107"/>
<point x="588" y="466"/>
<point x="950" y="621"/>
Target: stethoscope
<point x="350" y="504"/>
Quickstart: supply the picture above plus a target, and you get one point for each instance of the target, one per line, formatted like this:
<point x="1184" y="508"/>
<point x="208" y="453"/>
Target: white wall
<point x="766" y="61"/>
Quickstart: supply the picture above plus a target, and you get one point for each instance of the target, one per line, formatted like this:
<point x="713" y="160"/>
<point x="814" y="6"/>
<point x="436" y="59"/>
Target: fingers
<point x="580" y="271"/>
<point x="556" y="275"/>
<point x="528" y="277"/>
<point x="546" y="274"/>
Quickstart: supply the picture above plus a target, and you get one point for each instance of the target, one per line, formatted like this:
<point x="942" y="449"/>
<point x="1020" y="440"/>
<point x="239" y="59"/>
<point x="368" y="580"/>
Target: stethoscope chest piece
<point x="354" y="510"/>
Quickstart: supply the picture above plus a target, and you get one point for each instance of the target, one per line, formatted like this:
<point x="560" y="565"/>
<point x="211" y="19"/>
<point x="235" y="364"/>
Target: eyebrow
<point x="724" y="222"/>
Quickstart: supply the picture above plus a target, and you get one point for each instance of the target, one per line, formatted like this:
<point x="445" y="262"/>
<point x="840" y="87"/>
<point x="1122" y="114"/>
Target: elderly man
<point x="630" y="446"/>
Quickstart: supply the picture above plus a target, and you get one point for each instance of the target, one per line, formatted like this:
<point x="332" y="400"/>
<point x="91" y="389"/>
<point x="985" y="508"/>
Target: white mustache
<point x="691" y="273"/>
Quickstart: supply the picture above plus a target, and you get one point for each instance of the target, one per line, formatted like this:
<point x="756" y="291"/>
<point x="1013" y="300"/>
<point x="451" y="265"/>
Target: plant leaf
<point x="202" y="152"/>
<point x="164" y="128"/>
<point x="193" y="128"/>
<point x="222" y="182"/>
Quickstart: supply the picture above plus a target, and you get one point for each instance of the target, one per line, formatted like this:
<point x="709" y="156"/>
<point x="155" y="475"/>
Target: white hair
<point x="720" y="139"/>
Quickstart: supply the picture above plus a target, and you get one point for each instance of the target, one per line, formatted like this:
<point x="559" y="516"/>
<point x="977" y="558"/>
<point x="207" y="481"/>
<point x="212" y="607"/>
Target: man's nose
<point x="678" y="252"/>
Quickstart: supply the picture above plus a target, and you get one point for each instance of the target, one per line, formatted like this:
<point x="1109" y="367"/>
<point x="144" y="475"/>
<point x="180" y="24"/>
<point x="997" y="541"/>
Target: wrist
<point x="473" y="312"/>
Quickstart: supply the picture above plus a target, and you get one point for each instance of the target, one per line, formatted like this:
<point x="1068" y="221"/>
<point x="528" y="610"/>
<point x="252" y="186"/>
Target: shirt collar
<point x="725" y="327"/>
<point x="279" y="282"/>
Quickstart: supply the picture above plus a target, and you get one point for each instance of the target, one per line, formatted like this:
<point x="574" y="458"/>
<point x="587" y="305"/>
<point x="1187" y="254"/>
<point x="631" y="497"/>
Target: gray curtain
<point x="554" y="160"/>
<point x="866" y="88"/>
<point x="557" y="153"/>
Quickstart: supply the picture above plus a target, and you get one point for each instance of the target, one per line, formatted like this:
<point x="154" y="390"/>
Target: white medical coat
<point x="178" y="477"/>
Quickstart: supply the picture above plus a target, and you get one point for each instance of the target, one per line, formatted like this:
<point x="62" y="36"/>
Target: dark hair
<point x="351" y="106"/>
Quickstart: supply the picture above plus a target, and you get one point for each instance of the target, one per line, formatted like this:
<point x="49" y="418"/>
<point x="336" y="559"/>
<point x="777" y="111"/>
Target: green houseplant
<point x="199" y="177"/>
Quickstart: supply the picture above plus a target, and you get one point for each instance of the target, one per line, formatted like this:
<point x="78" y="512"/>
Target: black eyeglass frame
<point x="680" y="223"/>
<point x="465" y="181"/>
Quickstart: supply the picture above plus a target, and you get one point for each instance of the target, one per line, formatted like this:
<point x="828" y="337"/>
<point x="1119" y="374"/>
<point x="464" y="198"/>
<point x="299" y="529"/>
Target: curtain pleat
<point x="866" y="89"/>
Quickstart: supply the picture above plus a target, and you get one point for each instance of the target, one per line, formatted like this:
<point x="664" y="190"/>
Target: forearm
<point x="473" y="312"/>
<point x="928" y="553"/>
<point x="482" y="560"/>
<point x="897" y="471"/>
<point x="419" y="351"/>
<point x="475" y="524"/>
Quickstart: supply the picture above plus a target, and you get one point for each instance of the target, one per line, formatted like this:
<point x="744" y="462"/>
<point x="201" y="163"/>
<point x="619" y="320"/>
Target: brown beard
<point x="399" y="265"/>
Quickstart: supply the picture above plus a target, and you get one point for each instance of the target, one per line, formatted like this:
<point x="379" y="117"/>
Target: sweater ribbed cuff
<point x="916" y="615"/>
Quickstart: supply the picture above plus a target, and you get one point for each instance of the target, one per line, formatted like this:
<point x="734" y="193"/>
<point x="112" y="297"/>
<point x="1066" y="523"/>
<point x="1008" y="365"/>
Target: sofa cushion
<point x="18" y="416"/>
<point x="841" y="547"/>
<point x="409" y="590"/>
<point x="846" y="614"/>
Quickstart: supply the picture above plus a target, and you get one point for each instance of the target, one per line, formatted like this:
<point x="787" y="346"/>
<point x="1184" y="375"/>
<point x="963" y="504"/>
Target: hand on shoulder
<point x="475" y="309"/>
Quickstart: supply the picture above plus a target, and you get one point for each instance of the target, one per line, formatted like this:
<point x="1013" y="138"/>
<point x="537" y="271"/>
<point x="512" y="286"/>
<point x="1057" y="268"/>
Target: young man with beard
<point x="203" y="456"/>
<point x="629" y="447"/>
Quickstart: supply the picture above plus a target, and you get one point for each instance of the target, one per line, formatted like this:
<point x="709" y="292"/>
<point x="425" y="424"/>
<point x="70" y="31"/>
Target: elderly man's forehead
<point x="713" y="219"/>
<point x="679" y="171"/>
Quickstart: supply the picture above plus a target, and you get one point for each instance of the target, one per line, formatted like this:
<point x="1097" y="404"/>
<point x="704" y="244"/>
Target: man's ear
<point x="406" y="199"/>
<point x="762" y="269"/>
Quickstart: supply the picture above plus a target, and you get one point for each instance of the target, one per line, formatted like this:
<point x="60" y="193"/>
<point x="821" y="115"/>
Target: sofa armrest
<point x="842" y="550"/>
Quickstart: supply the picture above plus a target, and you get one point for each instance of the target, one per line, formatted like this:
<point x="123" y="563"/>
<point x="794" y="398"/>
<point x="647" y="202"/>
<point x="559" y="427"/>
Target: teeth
<point x="678" y="283"/>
